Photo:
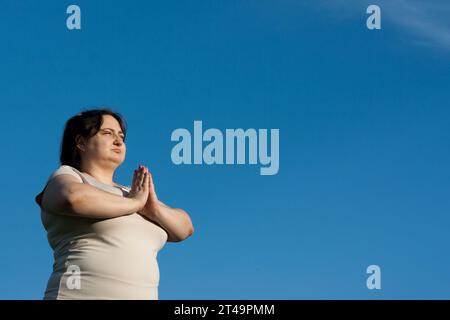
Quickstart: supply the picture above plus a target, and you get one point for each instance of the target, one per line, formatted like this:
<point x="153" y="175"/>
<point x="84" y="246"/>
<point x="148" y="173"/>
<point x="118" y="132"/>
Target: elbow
<point x="190" y="226"/>
<point x="190" y="232"/>
<point x="180" y="237"/>
<point x="188" y="229"/>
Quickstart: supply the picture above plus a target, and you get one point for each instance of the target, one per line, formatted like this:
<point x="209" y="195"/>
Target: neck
<point x="100" y="173"/>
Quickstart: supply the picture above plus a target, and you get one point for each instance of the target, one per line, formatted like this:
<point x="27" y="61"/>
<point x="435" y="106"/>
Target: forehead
<point x="110" y="122"/>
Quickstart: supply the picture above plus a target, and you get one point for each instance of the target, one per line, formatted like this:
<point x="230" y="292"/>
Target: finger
<point x="152" y="191"/>
<point x="140" y="170"/>
<point x="147" y="182"/>
<point x="152" y="186"/>
<point x="133" y="182"/>
<point x="141" y="178"/>
<point x="151" y="180"/>
<point x="144" y="173"/>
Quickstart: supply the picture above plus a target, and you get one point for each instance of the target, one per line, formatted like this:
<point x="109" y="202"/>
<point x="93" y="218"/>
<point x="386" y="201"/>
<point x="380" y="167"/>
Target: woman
<point x="105" y="236"/>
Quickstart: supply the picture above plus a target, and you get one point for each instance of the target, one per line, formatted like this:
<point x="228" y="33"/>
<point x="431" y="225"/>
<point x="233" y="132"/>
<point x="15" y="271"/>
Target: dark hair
<point x="85" y="124"/>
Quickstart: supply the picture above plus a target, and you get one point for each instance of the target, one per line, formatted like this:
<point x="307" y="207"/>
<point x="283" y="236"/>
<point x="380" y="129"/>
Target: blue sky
<point x="364" y="138"/>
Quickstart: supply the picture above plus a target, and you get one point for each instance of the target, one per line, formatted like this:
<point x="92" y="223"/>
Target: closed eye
<point x="108" y="131"/>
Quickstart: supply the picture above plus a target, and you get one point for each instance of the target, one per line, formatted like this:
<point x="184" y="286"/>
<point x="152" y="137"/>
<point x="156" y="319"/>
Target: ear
<point x="80" y="143"/>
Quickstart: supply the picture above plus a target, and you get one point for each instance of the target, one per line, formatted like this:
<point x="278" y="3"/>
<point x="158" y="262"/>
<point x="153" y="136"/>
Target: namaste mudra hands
<point x="143" y="190"/>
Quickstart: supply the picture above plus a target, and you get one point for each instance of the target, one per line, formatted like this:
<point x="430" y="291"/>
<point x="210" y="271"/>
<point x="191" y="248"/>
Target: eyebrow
<point x="120" y="132"/>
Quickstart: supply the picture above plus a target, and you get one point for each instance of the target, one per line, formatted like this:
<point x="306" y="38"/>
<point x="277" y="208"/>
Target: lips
<point x="117" y="150"/>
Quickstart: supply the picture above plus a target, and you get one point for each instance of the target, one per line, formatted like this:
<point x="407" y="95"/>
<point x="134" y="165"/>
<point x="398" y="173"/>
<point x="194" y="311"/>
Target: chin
<point x="117" y="160"/>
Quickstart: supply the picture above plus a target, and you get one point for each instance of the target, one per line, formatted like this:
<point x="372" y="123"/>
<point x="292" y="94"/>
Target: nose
<point x="117" y="140"/>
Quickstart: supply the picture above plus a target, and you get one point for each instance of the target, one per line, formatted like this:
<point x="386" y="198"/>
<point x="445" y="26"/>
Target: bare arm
<point x="176" y="222"/>
<point x="67" y="196"/>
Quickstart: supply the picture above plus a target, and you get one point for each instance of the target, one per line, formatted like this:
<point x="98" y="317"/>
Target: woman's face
<point x="107" y="146"/>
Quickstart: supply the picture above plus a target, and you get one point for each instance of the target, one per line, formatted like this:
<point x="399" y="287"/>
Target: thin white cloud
<point x="427" y="21"/>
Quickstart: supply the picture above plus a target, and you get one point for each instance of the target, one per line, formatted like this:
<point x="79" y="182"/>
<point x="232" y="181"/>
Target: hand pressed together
<point x="143" y="191"/>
